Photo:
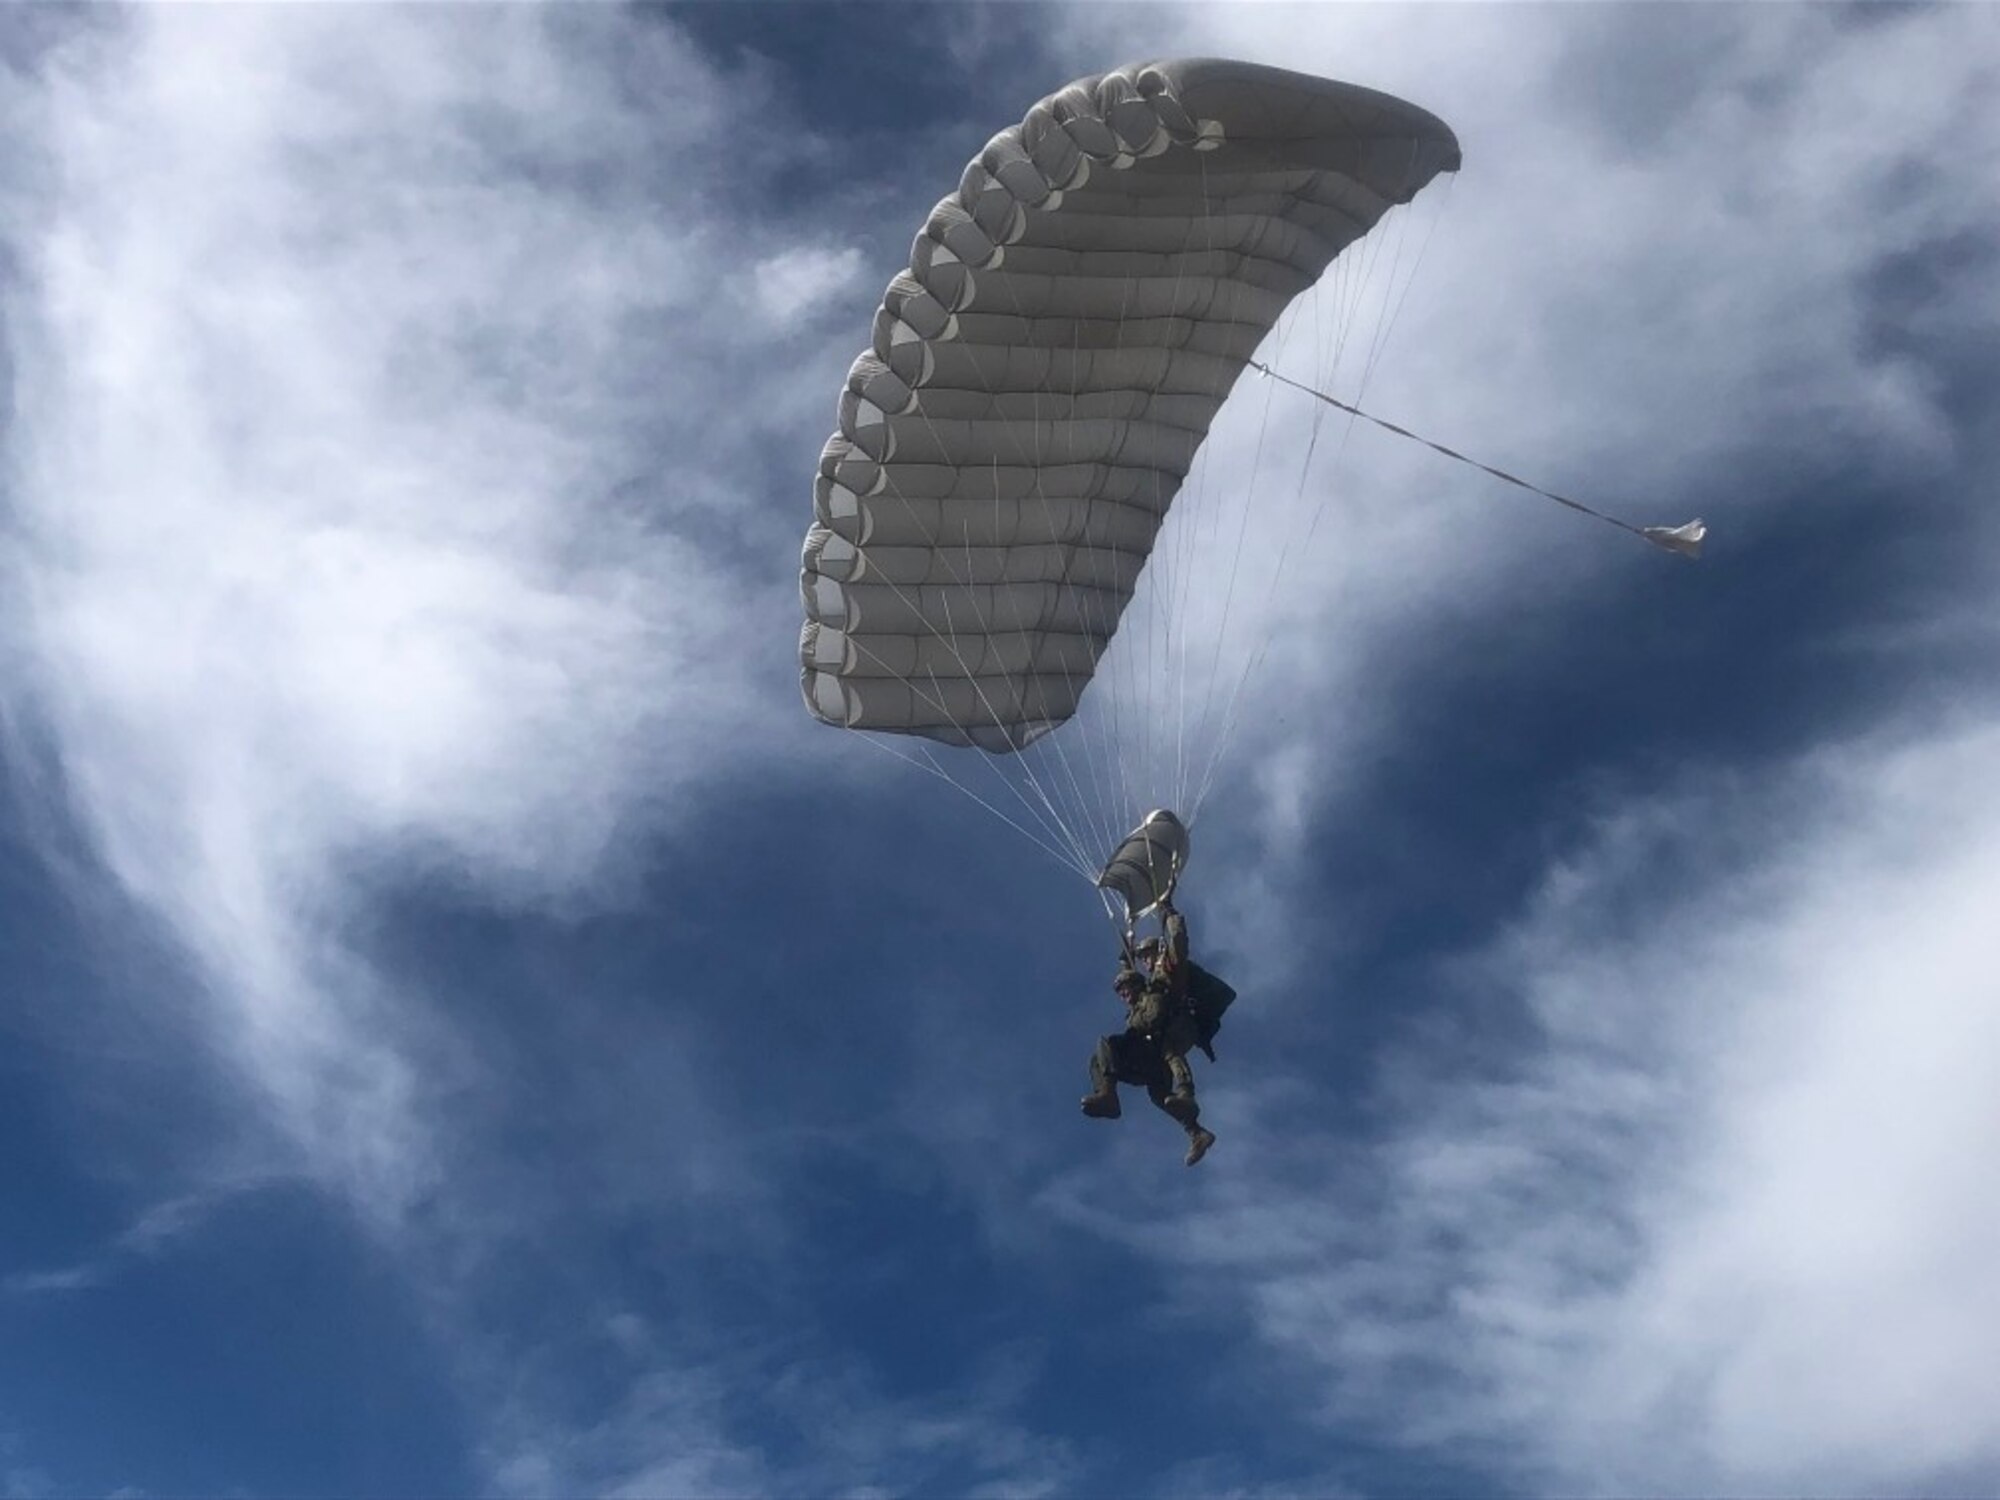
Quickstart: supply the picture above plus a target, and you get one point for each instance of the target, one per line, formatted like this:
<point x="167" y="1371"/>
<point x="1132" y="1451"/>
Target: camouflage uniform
<point x="1168" y="1016"/>
<point x="1159" y="1033"/>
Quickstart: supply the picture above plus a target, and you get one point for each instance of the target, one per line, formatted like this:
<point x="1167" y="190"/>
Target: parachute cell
<point x="1042" y="375"/>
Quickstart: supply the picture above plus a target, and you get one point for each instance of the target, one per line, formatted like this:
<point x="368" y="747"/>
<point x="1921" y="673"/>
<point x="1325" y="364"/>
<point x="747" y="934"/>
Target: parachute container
<point x="1144" y="868"/>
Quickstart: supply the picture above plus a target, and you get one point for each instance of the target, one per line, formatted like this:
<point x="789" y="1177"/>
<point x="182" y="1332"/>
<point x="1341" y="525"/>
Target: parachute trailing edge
<point x="1040" y="379"/>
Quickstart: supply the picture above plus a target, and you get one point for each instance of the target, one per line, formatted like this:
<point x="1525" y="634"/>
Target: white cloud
<point x="1725" y="1225"/>
<point x="368" y="388"/>
<point x="386" y="498"/>
<point x="1657" y="283"/>
<point x="155" y="1231"/>
<point x="794" y="280"/>
<point x="378" y="449"/>
<point x="667" y="1433"/>
<point x="1716" y="1222"/>
<point x="330" y="398"/>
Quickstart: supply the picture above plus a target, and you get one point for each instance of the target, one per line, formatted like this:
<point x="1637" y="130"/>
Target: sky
<point x="464" y="1028"/>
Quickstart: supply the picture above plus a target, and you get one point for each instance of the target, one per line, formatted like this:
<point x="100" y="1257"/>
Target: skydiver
<point x="1160" y="1030"/>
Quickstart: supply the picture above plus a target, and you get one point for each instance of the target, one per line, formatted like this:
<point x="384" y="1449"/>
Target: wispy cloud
<point x="395" y="496"/>
<point x="795" y="280"/>
<point x="386" y="504"/>
<point x="1722" y="1223"/>
<point x="330" y="399"/>
<point x="1680" y="300"/>
<point x="1675" y="1186"/>
<point x="678" y="1427"/>
<point x="154" y="1232"/>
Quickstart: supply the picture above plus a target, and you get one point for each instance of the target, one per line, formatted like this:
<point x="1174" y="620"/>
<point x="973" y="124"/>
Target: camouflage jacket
<point x="1163" y="998"/>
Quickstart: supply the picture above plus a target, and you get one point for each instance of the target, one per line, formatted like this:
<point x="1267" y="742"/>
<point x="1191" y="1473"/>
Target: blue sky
<point x="464" y="1029"/>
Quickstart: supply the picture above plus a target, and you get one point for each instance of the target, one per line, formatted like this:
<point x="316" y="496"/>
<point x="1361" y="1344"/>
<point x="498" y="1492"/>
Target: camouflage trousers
<point x="1157" y="1064"/>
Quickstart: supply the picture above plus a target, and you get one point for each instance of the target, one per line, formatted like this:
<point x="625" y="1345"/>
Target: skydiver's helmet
<point x="1149" y="951"/>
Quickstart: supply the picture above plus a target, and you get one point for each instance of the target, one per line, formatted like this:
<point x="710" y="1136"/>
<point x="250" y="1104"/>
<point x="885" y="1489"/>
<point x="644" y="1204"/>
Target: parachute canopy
<point x="1041" y="377"/>
<point x="1146" y="864"/>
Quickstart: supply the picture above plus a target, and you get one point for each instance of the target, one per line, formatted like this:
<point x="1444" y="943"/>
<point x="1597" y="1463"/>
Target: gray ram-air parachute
<point x="1041" y="376"/>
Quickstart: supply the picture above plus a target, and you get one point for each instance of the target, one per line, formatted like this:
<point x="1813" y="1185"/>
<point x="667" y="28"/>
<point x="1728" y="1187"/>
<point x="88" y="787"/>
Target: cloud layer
<point x="409" y="419"/>
<point x="1703" y="1212"/>
<point x="353" y="513"/>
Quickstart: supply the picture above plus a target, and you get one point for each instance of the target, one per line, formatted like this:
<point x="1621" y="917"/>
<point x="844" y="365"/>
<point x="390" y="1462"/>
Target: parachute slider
<point x="1682" y="541"/>
<point x="1144" y="867"/>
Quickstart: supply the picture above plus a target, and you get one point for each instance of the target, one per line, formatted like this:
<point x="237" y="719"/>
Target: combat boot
<point x="1102" y="1103"/>
<point x="1199" y="1140"/>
